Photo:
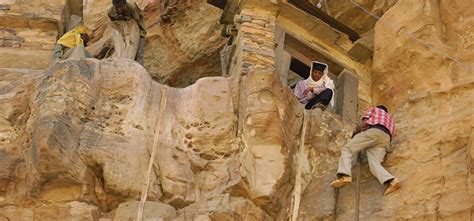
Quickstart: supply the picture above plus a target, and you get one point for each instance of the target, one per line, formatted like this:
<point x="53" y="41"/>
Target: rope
<point x="336" y="196"/>
<point x="297" y="191"/>
<point x="163" y="100"/>
<point x="357" y="206"/>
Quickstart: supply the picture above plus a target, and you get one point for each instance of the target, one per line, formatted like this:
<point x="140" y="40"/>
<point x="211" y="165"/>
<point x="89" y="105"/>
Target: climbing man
<point x="76" y="38"/>
<point x="373" y="134"/>
<point x="125" y="11"/>
<point x="318" y="89"/>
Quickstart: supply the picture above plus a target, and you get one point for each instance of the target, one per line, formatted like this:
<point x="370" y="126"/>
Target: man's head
<point x="316" y="75"/>
<point x="317" y="71"/>
<point x="83" y="31"/>
<point x="382" y="107"/>
<point x="120" y="6"/>
<point x="85" y="38"/>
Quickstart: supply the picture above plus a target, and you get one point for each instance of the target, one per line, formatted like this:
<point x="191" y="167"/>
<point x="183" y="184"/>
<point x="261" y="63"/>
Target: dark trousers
<point x="324" y="98"/>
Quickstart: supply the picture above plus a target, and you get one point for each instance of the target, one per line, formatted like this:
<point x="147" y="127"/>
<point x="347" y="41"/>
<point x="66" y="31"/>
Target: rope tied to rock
<point x="297" y="191"/>
<point x="146" y="185"/>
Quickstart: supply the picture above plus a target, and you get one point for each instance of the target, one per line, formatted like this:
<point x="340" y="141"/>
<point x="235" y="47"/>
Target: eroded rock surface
<point x="355" y="13"/>
<point x="76" y="140"/>
<point x="187" y="47"/>
<point x="180" y="49"/>
<point x="88" y="134"/>
<point x="28" y="31"/>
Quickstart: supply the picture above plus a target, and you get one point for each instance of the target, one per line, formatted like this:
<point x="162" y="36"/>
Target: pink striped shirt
<point x="378" y="116"/>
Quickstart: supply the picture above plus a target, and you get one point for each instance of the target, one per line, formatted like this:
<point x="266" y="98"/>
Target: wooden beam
<point x="218" y="3"/>
<point x="306" y="54"/>
<point x="308" y="7"/>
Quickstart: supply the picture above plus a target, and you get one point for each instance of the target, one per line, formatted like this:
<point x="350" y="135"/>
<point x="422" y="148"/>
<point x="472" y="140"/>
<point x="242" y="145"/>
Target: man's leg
<point x="375" y="156"/>
<point x="360" y="142"/>
<point x="140" y="51"/>
<point x="324" y="98"/>
<point x="58" y="52"/>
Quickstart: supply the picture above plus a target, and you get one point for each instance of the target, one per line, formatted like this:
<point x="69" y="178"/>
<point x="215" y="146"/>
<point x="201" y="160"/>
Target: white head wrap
<point x="324" y="81"/>
<point x="311" y="82"/>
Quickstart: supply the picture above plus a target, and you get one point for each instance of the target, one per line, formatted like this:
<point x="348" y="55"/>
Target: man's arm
<point x="111" y="13"/>
<point x="362" y="125"/>
<point x="138" y="16"/>
<point x="298" y="91"/>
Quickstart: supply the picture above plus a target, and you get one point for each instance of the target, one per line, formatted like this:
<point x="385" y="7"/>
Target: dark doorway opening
<point x="299" y="68"/>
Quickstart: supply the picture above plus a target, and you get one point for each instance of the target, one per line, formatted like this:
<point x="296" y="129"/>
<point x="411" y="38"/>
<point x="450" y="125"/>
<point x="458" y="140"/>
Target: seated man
<point x="77" y="37"/>
<point x="317" y="90"/>
<point x="125" y="11"/>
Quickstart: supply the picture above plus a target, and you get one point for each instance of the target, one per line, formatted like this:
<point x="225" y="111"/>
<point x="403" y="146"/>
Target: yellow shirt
<point x="73" y="38"/>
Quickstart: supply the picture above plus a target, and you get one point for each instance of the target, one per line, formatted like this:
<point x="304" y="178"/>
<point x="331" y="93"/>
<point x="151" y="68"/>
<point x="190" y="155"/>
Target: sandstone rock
<point x="108" y="134"/>
<point x="28" y="32"/>
<point x="25" y="58"/>
<point x="427" y="92"/>
<point x="266" y="109"/>
<point x="14" y="213"/>
<point x="52" y="159"/>
<point x="41" y="8"/>
<point x="16" y="87"/>
<point x="152" y="211"/>
<point x="350" y="13"/>
<point x="178" y="52"/>
<point x="197" y="142"/>
<point x="223" y="207"/>
<point x="67" y="211"/>
<point x="75" y="140"/>
<point x="325" y="135"/>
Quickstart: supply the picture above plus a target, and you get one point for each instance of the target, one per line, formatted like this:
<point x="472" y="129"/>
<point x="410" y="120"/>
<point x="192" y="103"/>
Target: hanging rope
<point x="146" y="185"/>
<point x="336" y="196"/>
<point x="298" y="182"/>
<point x="357" y="206"/>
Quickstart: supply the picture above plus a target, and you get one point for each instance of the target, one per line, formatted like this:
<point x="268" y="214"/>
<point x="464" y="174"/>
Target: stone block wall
<point x="28" y="32"/>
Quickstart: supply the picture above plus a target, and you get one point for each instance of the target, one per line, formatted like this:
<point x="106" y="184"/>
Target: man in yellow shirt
<point x="74" y="38"/>
<point x="124" y="11"/>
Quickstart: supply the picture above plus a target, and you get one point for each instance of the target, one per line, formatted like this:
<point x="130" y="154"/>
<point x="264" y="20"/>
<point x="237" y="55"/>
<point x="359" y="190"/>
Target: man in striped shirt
<point x="373" y="134"/>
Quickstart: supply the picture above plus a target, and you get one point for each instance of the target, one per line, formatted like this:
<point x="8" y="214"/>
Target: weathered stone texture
<point x="152" y="211"/>
<point x="186" y="48"/>
<point x="350" y="13"/>
<point x="178" y="51"/>
<point x="91" y="126"/>
<point x="415" y="74"/>
<point x="28" y="32"/>
<point x="325" y="135"/>
<point x="75" y="140"/>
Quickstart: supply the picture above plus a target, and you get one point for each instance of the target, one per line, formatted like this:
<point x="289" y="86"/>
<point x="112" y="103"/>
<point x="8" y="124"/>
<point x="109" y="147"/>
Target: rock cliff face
<point x="76" y="139"/>
<point x="349" y="12"/>
<point x="180" y="49"/>
<point x="28" y="31"/>
<point x="429" y="66"/>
